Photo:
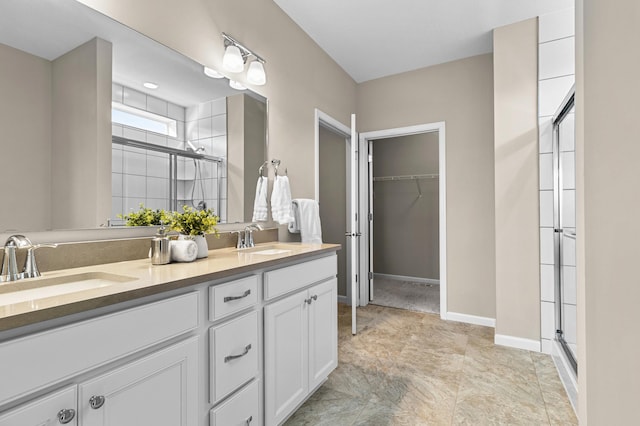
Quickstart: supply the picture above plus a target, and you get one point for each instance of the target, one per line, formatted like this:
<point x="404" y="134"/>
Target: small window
<point x="143" y="120"/>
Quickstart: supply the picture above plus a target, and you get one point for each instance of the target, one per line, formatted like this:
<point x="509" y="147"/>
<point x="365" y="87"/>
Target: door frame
<point x="322" y="119"/>
<point x="364" y="139"/>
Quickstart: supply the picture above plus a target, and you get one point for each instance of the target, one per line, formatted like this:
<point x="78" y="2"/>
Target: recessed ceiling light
<point x="210" y="72"/>
<point x="150" y="85"/>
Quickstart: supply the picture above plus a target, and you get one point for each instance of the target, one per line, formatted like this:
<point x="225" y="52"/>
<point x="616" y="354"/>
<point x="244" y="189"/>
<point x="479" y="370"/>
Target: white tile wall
<point x="547" y="288"/>
<point x="568" y="210"/>
<point x="546" y="172"/>
<point x="567" y="162"/>
<point x="556" y="25"/>
<point x="545" y="134"/>
<point x="142" y="175"/>
<point x="569" y="294"/>
<point x="569" y="321"/>
<point x="557" y="58"/>
<point x="546" y="246"/>
<point x="556" y="68"/>
<point x="551" y="92"/>
<point x="568" y="251"/>
<point x="567" y="133"/>
<point x="547" y="316"/>
<point x="546" y="209"/>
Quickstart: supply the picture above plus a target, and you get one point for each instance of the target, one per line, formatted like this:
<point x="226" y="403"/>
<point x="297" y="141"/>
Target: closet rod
<point x="406" y="177"/>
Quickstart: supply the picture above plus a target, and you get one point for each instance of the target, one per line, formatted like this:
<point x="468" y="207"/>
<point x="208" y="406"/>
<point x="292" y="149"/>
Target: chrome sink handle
<point x="30" y="266"/>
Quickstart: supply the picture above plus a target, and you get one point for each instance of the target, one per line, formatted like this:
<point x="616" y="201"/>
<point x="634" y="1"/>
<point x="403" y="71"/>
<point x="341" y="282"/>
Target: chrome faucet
<point x="9" y="264"/>
<point x="240" y="242"/>
<point x="248" y="234"/>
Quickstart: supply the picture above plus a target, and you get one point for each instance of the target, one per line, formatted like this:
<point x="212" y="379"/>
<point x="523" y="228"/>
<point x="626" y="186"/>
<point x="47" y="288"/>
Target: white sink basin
<point x="27" y="290"/>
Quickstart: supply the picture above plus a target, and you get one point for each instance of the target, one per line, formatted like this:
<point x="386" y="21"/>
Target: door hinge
<point x="370" y="158"/>
<point x="370" y="216"/>
<point x="356" y="217"/>
<point x="370" y="275"/>
<point x="356" y="277"/>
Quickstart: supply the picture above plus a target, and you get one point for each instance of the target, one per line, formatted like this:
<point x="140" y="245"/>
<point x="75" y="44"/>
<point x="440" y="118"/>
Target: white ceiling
<point x="50" y="28"/>
<point x="375" y="38"/>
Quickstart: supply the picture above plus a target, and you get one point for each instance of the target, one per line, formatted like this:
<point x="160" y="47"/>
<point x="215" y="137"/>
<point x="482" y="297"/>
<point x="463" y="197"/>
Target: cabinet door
<point x="160" y="390"/>
<point x="323" y="331"/>
<point x="286" y="356"/>
<point x="53" y="409"/>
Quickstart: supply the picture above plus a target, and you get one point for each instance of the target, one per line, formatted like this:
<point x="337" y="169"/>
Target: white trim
<point x="471" y="319"/>
<point x="412" y="130"/>
<point x="407" y="278"/>
<point x="567" y="376"/>
<point x="517" y="342"/>
<point x="343" y="299"/>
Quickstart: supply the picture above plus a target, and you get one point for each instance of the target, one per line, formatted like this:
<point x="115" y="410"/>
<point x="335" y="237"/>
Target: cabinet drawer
<point x="225" y="299"/>
<point x="42" y="359"/>
<point x="285" y="280"/>
<point x="44" y="410"/>
<point x="242" y="409"/>
<point x="234" y="355"/>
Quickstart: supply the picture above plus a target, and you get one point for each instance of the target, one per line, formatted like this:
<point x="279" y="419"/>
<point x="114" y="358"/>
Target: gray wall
<point x="254" y="148"/>
<point x="460" y="93"/>
<point x="516" y="180"/>
<point x="25" y="120"/>
<point x="333" y="197"/>
<point x="406" y="234"/>
<point x="81" y="155"/>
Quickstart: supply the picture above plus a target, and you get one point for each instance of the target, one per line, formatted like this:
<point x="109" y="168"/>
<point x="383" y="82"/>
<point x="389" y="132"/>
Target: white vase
<point x="201" y="242"/>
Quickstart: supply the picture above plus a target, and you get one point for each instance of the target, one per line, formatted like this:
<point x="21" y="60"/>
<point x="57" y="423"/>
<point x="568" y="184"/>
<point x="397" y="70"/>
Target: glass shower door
<point x="565" y="230"/>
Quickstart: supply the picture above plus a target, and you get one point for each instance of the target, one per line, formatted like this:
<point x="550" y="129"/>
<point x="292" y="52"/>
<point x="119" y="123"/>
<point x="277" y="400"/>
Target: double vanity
<point x="242" y="337"/>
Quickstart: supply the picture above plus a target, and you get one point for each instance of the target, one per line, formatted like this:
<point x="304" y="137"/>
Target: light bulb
<point x="235" y="85"/>
<point x="256" y="74"/>
<point x="232" y="59"/>
<point x="210" y="72"/>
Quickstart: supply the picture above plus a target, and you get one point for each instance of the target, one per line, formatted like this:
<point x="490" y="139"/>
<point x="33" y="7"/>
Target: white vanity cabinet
<point x="301" y="335"/>
<point x="57" y="408"/>
<point x="156" y="390"/>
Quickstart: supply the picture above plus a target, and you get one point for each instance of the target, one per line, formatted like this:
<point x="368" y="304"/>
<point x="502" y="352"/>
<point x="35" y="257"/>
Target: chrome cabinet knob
<point x="96" y="401"/>
<point x="66" y="415"/>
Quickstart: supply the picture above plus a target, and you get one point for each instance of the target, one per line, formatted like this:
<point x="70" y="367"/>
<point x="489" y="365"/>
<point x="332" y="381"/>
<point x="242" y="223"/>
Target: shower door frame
<point x="565" y="107"/>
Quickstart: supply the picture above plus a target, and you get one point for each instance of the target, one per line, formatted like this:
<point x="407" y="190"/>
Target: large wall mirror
<point x="97" y="119"/>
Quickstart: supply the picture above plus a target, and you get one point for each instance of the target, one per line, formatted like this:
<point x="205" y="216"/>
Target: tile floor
<point x="410" y="368"/>
<point x="411" y="295"/>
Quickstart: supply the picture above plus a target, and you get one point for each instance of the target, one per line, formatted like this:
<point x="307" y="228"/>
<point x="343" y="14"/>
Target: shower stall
<point x="565" y="230"/>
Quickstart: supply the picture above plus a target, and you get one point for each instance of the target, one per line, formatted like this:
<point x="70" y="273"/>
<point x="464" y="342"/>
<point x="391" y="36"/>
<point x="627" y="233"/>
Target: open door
<point x="352" y="247"/>
<point x="353" y="234"/>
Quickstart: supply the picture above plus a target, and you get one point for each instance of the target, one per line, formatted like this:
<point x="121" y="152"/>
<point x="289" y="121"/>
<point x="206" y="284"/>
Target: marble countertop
<point x="139" y="278"/>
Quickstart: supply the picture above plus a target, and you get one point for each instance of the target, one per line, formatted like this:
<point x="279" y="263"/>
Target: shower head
<point x="193" y="148"/>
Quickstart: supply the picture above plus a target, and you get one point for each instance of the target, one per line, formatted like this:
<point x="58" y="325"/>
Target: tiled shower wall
<point x="556" y="75"/>
<point x="142" y="176"/>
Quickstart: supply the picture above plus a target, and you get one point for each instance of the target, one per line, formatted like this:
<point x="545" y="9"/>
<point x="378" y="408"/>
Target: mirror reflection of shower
<point x="197" y="177"/>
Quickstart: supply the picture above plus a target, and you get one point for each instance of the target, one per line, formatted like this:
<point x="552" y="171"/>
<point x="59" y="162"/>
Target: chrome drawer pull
<point x="65" y="416"/>
<point x="249" y="420"/>
<point x="230" y="298"/>
<point x="246" y="351"/>
<point x="96" y="401"/>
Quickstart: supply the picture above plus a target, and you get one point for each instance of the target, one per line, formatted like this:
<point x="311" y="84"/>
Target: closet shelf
<point x="405" y="177"/>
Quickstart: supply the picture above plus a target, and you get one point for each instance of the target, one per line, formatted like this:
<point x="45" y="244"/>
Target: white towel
<point x="183" y="250"/>
<point x="281" y="201"/>
<point x="260" y="208"/>
<point x="306" y="215"/>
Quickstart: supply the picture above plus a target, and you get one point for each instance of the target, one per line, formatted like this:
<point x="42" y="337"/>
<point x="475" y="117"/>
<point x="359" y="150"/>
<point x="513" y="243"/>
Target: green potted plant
<point x="146" y="217"/>
<point x="193" y="224"/>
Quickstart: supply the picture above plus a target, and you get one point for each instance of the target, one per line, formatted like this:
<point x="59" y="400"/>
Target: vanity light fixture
<point x="150" y="85"/>
<point x="210" y="72"/>
<point x="235" y="56"/>
<point x="235" y="85"/>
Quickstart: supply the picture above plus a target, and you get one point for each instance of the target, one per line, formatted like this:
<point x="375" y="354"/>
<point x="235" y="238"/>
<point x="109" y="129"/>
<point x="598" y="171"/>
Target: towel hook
<point x="261" y="169"/>
<point x="275" y="163"/>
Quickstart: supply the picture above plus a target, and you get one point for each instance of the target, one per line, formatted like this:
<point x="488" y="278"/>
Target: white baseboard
<point x="517" y="342"/>
<point x="470" y="319"/>
<point x="343" y="299"/>
<point x="407" y="278"/>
